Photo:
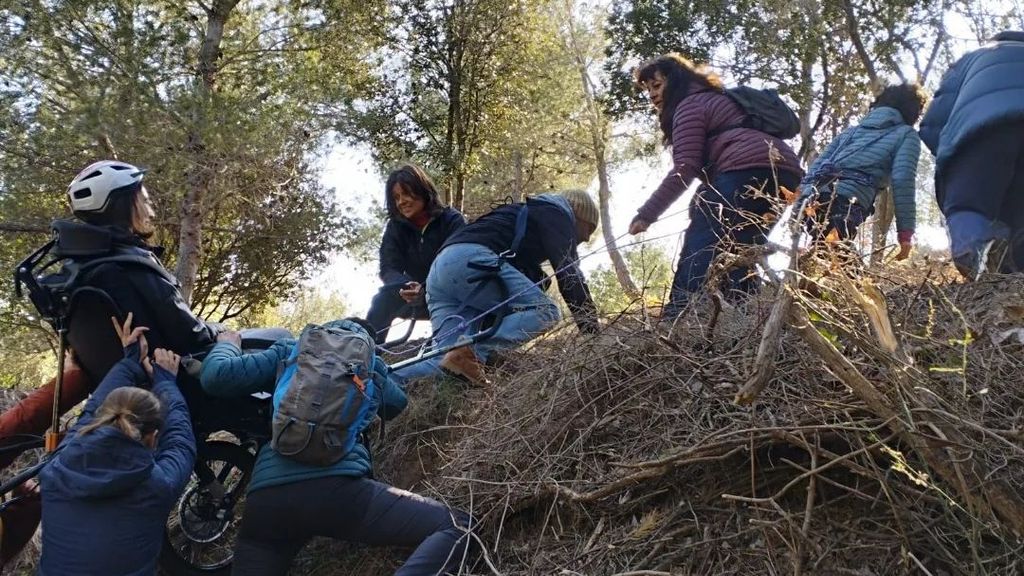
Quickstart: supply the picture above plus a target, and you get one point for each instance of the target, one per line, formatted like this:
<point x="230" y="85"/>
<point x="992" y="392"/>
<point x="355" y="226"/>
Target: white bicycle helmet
<point x="90" y="191"/>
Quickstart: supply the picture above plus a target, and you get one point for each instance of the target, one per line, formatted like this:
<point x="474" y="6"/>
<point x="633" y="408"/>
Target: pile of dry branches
<point x="865" y="423"/>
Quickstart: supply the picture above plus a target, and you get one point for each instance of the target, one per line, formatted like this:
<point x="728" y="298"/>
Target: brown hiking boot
<point x="463" y="362"/>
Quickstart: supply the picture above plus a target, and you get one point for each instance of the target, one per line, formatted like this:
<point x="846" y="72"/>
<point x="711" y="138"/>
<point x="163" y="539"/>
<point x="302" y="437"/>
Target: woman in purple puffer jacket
<point x="703" y="127"/>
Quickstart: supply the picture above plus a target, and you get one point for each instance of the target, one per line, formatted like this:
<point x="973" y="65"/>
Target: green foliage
<point x="308" y="306"/>
<point x="825" y="56"/>
<point x="83" y="80"/>
<point x="476" y="92"/>
<point x="27" y="356"/>
<point x="649" y="265"/>
<point x="96" y="78"/>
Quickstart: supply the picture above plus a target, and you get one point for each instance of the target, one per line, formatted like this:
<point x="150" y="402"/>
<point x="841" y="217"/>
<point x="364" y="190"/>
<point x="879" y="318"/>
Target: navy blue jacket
<point x="985" y="88"/>
<point x="106" y="496"/>
<point x="407" y="252"/>
<point x="550" y="237"/>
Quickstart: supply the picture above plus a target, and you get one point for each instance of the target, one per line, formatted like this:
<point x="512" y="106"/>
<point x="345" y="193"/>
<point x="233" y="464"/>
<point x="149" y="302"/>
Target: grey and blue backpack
<point x="327" y="393"/>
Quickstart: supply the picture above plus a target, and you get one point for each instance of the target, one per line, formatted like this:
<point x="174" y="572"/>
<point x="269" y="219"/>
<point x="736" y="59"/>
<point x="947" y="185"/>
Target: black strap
<point x="518" y="234"/>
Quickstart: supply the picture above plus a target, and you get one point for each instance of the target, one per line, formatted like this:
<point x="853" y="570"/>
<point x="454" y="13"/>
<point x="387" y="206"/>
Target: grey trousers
<point x="279" y="520"/>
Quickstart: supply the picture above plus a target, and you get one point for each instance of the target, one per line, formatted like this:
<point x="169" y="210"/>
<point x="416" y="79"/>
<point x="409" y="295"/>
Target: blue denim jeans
<point x="724" y="211"/>
<point x="455" y="309"/>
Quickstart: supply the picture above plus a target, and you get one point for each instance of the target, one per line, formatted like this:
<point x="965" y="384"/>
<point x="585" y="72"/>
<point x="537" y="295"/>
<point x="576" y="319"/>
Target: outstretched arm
<point x="128" y="372"/>
<point x="904" y="185"/>
<point x="228" y="373"/>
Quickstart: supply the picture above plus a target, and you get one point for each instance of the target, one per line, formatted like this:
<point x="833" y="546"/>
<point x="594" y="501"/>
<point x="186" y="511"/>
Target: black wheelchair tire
<point x="172" y="558"/>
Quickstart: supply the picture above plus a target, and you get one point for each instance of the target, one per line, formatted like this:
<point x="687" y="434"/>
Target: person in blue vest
<point x="975" y="128"/>
<point x="288" y="502"/>
<point x="418" y="224"/>
<point x="122" y="467"/>
<point x="512" y="242"/>
<point x="883" y="150"/>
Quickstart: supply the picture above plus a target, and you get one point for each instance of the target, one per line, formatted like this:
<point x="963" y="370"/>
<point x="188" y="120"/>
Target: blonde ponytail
<point x="133" y="411"/>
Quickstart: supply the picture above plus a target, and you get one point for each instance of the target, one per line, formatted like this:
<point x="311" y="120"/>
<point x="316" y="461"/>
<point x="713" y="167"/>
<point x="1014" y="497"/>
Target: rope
<point x="599" y="250"/>
<point x="463" y="323"/>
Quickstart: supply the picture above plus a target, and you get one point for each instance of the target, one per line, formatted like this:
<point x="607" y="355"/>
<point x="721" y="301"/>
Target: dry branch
<point x="611" y="455"/>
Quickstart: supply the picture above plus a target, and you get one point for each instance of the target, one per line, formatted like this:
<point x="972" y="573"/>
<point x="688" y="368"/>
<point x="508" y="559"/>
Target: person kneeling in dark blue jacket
<point x="289" y="502"/>
<point x="107" y="494"/>
<point x="418" y="224"/>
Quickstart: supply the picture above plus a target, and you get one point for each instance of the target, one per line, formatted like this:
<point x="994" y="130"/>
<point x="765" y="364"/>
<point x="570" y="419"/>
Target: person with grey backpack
<point x="315" y="477"/>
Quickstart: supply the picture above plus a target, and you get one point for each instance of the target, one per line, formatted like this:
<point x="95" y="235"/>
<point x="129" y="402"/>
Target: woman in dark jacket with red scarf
<point x="702" y="125"/>
<point x="418" y="225"/>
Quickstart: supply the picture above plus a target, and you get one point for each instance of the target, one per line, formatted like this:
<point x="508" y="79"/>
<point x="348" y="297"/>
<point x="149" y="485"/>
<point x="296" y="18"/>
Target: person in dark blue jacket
<point x="555" y="224"/>
<point x="975" y="128"/>
<point x="289" y="502"/>
<point x="418" y="224"/>
<point x="107" y="493"/>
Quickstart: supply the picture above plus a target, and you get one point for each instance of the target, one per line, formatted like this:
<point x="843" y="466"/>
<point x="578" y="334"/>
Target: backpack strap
<point x="518" y="233"/>
<point x="830" y="171"/>
<point x="87" y="269"/>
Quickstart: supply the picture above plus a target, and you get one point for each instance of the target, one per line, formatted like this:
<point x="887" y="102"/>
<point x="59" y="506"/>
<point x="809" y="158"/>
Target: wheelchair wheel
<point x="203" y="526"/>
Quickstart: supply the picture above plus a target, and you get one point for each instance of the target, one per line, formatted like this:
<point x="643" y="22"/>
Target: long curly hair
<point x="680" y="74"/>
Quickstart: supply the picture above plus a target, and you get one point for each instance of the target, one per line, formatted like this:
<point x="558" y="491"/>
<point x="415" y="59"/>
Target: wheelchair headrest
<point x="75" y="239"/>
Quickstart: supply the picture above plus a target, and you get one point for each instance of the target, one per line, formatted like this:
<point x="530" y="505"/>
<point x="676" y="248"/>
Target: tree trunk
<point x="455" y="55"/>
<point x="885" y="211"/>
<point x="454" y="111"/>
<point x="190" y="239"/>
<point x="804" y="113"/>
<point x="517" y="175"/>
<point x="853" y="28"/>
<point x="459" y="186"/>
<point x="599" y="130"/>
<point x="604" y="195"/>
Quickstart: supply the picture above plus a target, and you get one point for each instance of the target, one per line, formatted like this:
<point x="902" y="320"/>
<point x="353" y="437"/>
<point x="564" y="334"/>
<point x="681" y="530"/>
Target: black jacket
<point x="550" y="236"/>
<point x="406" y="252"/>
<point x="143" y="288"/>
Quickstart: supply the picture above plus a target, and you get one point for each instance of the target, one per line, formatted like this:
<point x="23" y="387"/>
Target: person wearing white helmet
<point x="109" y="199"/>
<point x="115" y="217"/>
<point x="110" y="192"/>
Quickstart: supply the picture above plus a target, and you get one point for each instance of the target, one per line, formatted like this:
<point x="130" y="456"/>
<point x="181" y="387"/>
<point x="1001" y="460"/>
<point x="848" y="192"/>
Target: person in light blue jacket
<point x="288" y="502"/>
<point x="881" y="151"/>
<point x="975" y="128"/>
